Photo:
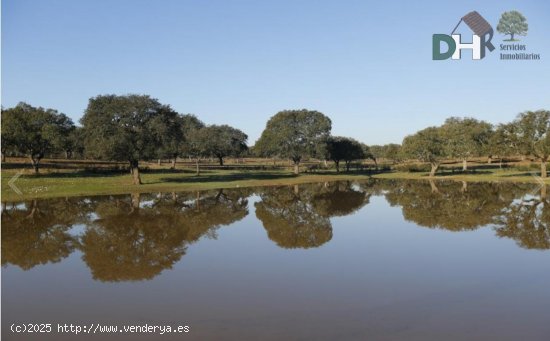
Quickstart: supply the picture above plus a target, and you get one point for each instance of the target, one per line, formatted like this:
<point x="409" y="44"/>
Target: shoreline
<point x="56" y="185"/>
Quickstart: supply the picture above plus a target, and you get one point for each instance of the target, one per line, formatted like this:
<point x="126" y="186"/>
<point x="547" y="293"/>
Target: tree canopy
<point x="33" y="131"/>
<point x="222" y="140"/>
<point x="466" y="137"/>
<point x="294" y="134"/>
<point x="533" y="132"/>
<point x="126" y="128"/>
<point x="427" y="145"/>
<point x="344" y="148"/>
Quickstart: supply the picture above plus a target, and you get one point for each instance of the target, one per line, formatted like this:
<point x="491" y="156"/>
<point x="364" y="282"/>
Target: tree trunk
<point x="158" y="162"/>
<point x="220" y="158"/>
<point x="543" y="173"/>
<point x="337" y="164"/>
<point x="34" y="209"/>
<point x="435" y="166"/>
<point x="135" y="200"/>
<point x="325" y="163"/>
<point x="543" y="193"/>
<point x="464" y="187"/>
<point x="512" y="36"/>
<point x="134" y="169"/>
<point x="3" y="157"/>
<point x="35" y="164"/>
<point x="434" y="187"/>
<point x="489" y="160"/>
<point x="173" y="163"/>
<point x="198" y="201"/>
<point x="464" y="165"/>
<point x="198" y="172"/>
<point x="67" y="154"/>
<point x="348" y="163"/>
<point x="296" y="167"/>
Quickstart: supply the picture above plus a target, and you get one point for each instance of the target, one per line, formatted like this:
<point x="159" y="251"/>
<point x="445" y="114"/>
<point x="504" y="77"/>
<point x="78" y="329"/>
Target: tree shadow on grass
<point x="73" y="175"/>
<point x="468" y="172"/>
<point x="227" y="177"/>
<point x="63" y="164"/>
<point x="533" y="173"/>
<point x="99" y="173"/>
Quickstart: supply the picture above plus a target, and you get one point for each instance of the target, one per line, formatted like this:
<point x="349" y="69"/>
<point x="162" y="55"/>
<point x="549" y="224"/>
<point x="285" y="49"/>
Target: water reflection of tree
<point x="452" y="206"/>
<point x="36" y="232"/>
<point x="339" y="198"/>
<point x="527" y="221"/>
<point x="137" y="237"/>
<point x="298" y="216"/>
<point x="131" y="241"/>
<point x="456" y="206"/>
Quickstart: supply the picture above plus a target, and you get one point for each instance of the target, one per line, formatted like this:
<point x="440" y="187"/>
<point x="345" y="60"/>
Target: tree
<point x="367" y="153"/>
<point x="294" y="134"/>
<point x="427" y="145"/>
<point x="124" y="128"/>
<point x="504" y="141"/>
<point x="34" y="132"/>
<point x="8" y="139"/>
<point x="71" y="139"/>
<point x="197" y="146"/>
<point x="344" y="148"/>
<point x="63" y="140"/>
<point x="189" y="124"/>
<point x="466" y="137"/>
<point x="377" y="152"/>
<point x="512" y="23"/>
<point x="167" y="127"/>
<point x="392" y="152"/>
<point x="223" y="140"/>
<point x="533" y="133"/>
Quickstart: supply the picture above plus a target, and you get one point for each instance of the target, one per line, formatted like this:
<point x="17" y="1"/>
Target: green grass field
<point x="67" y="180"/>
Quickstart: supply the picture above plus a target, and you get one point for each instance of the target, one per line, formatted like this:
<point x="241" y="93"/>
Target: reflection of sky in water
<point x="77" y="230"/>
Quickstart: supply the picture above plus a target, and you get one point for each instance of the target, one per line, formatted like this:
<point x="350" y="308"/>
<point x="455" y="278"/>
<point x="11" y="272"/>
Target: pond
<point x="373" y="260"/>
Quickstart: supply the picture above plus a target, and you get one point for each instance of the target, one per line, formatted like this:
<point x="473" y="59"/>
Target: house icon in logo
<point x="481" y="39"/>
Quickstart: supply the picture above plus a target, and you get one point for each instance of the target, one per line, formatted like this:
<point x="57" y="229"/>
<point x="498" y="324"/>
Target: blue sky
<point x="365" y="64"/>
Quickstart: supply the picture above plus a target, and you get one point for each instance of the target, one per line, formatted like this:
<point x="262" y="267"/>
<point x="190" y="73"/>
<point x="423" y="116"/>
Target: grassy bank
<point x="82" y="182"/>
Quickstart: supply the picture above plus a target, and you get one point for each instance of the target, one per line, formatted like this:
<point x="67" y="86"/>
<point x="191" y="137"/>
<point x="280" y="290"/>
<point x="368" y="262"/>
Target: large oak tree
<point x="125" y="128"/>
<point x="34" y="132"/>
<point x="427" y="145"/>
<point x="465" y="138"/>
<point x="344" y="149"/>
<point x="533" y="132"/>
<point x="223" y="140"/>
<point x="294" y="134"/>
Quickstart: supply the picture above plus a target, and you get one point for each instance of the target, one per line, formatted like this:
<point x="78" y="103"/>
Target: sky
<point x="365" y="64"/>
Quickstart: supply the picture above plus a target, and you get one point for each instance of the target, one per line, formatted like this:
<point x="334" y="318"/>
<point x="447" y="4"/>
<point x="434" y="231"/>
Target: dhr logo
<point x="481" y="39"/>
